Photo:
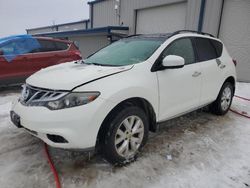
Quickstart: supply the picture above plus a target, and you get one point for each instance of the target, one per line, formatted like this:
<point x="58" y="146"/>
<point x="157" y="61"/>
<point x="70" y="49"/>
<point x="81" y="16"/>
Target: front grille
<point x="32" y="94"/>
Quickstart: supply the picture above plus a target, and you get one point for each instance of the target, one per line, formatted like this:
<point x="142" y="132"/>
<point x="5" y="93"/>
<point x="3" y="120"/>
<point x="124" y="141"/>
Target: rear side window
<point x="218" y="47"/>
<point x="208" y="49"/>
<point x="181" y="47"/>
<point x="61" y="46"/>
<point x="9" y="48"/>
<point x="47" y="46"/>
<point x="19" y="46"/>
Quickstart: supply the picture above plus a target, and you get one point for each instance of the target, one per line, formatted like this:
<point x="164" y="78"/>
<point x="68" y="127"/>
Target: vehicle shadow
<point x="5" y="90"/>
<point x="77" y="168"/>
<point x="84" y="168"/>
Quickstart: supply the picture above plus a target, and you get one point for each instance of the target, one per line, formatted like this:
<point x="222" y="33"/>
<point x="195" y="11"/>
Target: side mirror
<point x="173" y="62"/>
<point x="1" y="52"/>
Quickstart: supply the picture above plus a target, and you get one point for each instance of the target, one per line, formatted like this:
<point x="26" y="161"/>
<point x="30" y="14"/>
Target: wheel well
<point x="136" y="101"/>
<point x="231" y="80"/>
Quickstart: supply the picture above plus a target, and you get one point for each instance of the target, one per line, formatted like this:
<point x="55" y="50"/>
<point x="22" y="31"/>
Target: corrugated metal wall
<point x="163" y="19"/>
<point x="72" y="27"/>
<point x="88" y="24"/>
<point x="235" y="33"/>
<point x="193" y="11"/>
<point x="105" y="13"/>
<point x="212" y="16"/>
<point x="89" y="44"/>
<point x="39" y="30"/>
<point x="62" y="27"/>
<point x="129" y="7"/>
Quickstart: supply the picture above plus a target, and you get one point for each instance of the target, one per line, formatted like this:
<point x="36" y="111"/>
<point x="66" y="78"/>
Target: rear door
<point x="209" y="57"/>
<point x="44" y="56"/>
<point x="50" y="53"/>
<point x="179" y="89"/>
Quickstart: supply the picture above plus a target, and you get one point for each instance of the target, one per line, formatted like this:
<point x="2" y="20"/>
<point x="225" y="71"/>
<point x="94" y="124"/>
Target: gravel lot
<point x="195" y="150"/>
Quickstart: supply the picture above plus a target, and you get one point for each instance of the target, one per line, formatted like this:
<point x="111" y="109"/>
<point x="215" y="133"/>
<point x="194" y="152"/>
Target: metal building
<point x="110" y="19"/>
<point x="60" y="27"/>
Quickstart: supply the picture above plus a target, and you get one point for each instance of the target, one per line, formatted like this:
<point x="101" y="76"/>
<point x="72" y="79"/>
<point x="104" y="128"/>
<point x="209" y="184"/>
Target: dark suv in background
<point x="15" y="69"/>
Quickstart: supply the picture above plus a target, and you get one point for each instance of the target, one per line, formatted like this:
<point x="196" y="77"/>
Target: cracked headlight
<point x="72" y="100"/>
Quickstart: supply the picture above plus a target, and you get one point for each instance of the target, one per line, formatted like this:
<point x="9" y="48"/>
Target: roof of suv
<point x="168" y="35"/>
<point x="158" y="35"/>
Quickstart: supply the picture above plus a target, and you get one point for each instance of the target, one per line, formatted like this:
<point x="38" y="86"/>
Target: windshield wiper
<point x="104" y="65"/>
<point x="97" y="64"/>
<point x="83" y="62"/>
<point x="80" y="62"/>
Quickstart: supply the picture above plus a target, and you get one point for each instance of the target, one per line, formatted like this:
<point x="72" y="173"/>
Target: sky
<point x="18" y="15"/>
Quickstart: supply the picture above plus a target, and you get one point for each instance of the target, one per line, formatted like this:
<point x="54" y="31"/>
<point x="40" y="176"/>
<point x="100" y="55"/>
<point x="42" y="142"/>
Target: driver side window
<point x="181" y="47"/>
<point x="8" y="49"/>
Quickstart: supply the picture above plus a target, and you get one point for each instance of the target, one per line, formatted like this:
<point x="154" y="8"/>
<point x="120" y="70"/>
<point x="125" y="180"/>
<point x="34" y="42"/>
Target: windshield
<point x="125" y="52"/>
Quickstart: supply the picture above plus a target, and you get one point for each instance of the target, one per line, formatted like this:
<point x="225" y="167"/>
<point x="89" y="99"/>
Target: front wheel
<point x="127" y="133"/>
<point x="224" y="100"/>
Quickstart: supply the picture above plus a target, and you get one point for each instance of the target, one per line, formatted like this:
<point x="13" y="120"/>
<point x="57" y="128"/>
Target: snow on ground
<point x="206" y="151"/>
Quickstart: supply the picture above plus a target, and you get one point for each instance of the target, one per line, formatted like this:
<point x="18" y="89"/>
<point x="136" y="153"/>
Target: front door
<point x="179" y="89"/>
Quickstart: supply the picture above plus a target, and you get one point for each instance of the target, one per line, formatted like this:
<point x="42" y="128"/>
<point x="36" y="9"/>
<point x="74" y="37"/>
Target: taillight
<point x="78" y="53"/>
<point x="235" y="62"/>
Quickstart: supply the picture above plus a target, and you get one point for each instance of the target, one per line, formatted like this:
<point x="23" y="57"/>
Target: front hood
<point x="67" y="76"/>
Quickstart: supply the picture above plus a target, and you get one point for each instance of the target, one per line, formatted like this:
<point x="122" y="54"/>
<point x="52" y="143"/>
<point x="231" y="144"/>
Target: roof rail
<point x="191" y="31"/>
<point x="135" y="35"/>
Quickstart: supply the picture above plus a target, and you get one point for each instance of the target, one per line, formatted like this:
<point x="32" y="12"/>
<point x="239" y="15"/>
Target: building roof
<point x="58" y="25"/>
<point x="105" y="30"/>
<point x="96" y="1"/>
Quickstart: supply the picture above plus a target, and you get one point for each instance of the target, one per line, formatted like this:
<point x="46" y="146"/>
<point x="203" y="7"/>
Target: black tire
<point x="114" y="123"/>
<point x="216" y="107"/>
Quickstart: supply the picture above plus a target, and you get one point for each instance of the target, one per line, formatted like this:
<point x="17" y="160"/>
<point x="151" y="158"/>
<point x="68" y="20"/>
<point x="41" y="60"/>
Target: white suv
<point x="116" y="96"/>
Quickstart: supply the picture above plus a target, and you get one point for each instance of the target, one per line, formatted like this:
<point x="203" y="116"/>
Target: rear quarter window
<point x="46" y="46"/>
<point x="50" y="46"/>
<point x="207" y="49"/>
<point x="62" y="46"/>
<point x="218" y="47"/>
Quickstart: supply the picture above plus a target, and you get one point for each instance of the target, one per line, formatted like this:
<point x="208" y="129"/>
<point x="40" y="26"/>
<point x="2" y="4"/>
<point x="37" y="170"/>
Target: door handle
<point x="222" y="66"/>
<point x="218" y="61"/>
<point x="196" y="74"/>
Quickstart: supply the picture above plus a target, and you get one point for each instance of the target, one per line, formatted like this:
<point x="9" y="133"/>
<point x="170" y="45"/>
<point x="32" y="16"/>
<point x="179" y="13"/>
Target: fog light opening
<point x="56" y="138"/>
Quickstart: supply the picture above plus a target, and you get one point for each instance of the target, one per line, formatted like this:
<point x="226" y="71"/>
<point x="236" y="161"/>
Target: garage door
<point x="235" y="32"/>
<point x="161" y="19"/>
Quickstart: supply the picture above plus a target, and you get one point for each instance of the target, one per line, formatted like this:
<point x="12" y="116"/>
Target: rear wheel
<point x="126" y="135"/>
<point x="224" y="100"/>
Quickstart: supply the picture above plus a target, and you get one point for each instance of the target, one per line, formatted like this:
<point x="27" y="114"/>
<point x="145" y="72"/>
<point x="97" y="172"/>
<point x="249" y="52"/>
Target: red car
<point x="16" y="68"/>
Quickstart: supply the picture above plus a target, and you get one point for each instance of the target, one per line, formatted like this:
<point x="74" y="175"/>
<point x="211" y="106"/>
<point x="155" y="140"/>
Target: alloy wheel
<point x="226" y="98"/>
<point x="129" y="136"/>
